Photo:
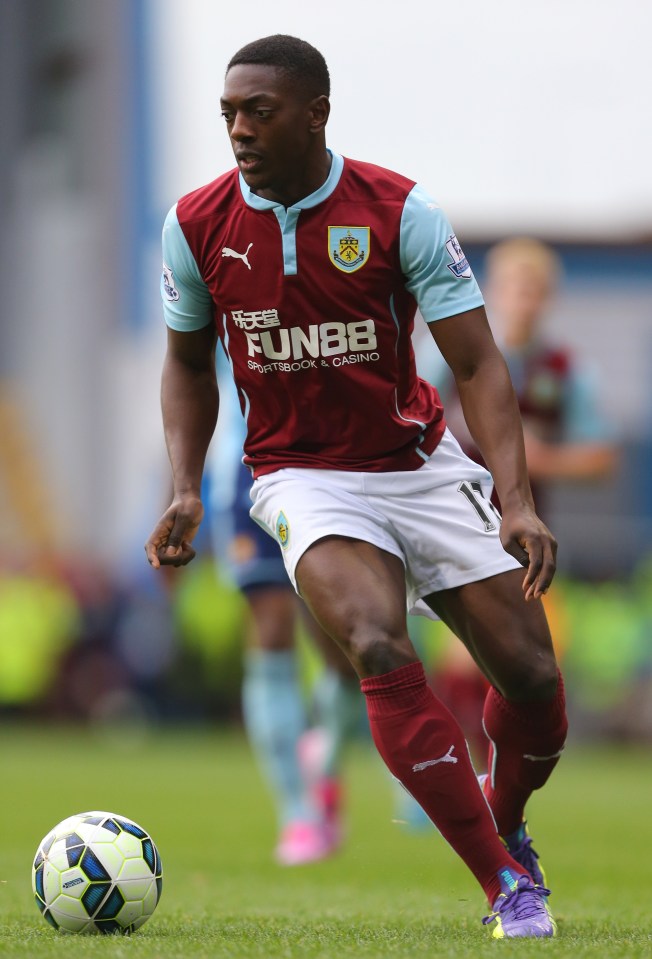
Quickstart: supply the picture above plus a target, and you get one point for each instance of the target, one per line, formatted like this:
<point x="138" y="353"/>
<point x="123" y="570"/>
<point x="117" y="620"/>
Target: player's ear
<point x="320" y="109"/>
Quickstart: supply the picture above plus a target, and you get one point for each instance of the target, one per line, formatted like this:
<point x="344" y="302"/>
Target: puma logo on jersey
<point x="448" y="758"/>
<point x="238" y="256"/>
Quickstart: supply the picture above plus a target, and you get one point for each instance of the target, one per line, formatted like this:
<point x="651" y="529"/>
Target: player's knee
<point x="532" y="679"/>
<point x="374" y="652"/>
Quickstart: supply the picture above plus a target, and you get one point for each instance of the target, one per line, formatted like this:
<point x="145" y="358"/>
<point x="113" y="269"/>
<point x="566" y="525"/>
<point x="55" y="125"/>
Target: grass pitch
<point x="389" y="893"/>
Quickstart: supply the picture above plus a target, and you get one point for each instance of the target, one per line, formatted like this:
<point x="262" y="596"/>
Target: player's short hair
<point x="296" y="58"/>
<point x="528" y="252"/>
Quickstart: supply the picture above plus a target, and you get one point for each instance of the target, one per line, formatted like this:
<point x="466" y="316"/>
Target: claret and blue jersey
<point x="315" y="305"/>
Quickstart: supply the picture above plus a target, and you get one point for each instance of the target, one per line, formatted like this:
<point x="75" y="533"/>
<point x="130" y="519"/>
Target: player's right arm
<point x="189" y="397"/>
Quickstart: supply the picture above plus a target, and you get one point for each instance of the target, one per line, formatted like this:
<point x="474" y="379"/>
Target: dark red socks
<point x="423" y="746"/>
<point x="526" y="742"/>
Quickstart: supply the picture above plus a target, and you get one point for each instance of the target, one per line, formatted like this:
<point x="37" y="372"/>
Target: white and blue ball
<point x="97" y="872"/>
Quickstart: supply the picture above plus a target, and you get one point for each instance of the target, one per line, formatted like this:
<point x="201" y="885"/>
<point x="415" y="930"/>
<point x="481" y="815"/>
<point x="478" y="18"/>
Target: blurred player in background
<point x="566" y="435"/>
<point x="309" y="267"/>
<point x="298" y="748"/>
<point x="567" y="438"/>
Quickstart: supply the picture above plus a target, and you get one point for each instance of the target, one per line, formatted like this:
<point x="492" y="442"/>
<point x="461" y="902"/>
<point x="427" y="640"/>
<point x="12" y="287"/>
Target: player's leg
<point x="272" y="702"/>
<point x="459" y="683"/>
<point x="275" y="717"/>
<point x="337" y="714"/>
<point x="342" y="552"/>
<point x="357" y="592"/>
<point x="457" y="567"/>
<point x="524" y="713"/>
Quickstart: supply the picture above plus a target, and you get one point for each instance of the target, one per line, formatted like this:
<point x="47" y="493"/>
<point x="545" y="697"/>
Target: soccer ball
<point x="97" y="872"/>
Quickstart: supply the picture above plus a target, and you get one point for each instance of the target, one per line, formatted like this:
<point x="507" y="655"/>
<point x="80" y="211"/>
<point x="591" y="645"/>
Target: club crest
<point x="282" y="530"/>
<point x="348" y="247"/>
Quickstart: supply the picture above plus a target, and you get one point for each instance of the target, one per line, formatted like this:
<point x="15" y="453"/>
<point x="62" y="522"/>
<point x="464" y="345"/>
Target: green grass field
<point x="390" y="892"/>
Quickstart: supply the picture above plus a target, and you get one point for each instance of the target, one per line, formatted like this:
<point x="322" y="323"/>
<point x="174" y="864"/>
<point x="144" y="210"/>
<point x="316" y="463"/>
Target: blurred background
<point x="526" y="120"/>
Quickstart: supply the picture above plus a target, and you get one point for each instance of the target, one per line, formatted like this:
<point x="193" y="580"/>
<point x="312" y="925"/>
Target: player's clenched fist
<point x="170" y="542"/>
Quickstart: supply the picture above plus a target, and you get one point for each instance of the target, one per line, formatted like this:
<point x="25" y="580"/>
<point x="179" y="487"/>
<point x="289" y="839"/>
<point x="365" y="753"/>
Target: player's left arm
<point x="492" y="415"/>
<point x="439" y="276"/>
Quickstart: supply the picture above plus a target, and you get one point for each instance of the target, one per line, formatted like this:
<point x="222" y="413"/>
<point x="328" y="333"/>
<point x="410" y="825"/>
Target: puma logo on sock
<point x="448" y="758"/>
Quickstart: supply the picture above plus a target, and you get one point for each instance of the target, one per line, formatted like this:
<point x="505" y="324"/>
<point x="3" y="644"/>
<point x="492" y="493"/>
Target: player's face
<point x="519" y="295"/>
<point x="274" y="131"/>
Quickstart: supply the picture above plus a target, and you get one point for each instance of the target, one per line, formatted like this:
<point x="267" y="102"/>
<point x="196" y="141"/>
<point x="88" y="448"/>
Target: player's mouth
<point x="249" y="162"/>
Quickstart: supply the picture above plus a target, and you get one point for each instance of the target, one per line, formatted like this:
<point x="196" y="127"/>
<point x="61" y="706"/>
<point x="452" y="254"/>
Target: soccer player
<point x="308" y="268"/>
<point x="300" y="760"/>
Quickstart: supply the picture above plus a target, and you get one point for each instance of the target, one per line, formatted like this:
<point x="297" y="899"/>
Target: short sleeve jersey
<point x="314" y="306"/>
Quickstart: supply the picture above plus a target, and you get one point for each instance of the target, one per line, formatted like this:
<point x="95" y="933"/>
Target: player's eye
<point x="228" y="116"/>
<point x="262" y="114"/>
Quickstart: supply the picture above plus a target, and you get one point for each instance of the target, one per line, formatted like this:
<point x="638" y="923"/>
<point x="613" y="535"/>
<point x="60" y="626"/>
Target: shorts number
<point x="487" y="512"/>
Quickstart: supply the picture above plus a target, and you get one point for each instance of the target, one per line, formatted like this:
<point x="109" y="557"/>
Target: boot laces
<point x="523" y="902"/>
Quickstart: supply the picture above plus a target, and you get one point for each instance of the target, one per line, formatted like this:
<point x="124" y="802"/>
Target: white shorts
<point x="438" y="519"/>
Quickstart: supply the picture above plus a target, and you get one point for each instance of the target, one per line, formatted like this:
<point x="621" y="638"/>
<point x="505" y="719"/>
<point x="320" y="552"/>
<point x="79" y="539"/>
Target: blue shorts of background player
<point x="252" y="557"/>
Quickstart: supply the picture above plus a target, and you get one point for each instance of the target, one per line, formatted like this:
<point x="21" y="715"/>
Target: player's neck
<point x="305" y="182"/>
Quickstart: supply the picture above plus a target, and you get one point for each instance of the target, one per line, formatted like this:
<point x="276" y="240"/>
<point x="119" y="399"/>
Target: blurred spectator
<point x="566" y="435"/>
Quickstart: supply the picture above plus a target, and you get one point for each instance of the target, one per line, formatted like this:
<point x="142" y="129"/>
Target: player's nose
<point x="241" y="129"/>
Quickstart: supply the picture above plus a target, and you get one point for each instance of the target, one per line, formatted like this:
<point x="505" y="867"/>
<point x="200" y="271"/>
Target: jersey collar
<point x="324" y="191"/>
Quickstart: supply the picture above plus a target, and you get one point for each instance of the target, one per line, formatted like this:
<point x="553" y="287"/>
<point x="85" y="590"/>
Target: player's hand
<point x="170" y="542"/>
<point x="528" y="540"/>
